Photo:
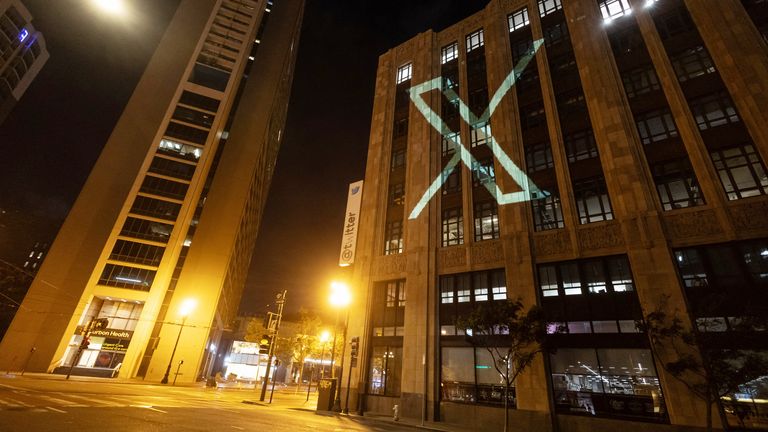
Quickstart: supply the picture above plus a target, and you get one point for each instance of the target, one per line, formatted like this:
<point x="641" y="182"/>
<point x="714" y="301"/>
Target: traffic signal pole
<point x="273" y="343"/>
<point x="353" y="345"/>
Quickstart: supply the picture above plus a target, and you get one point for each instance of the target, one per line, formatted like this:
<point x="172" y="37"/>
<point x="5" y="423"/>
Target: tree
<point x="512" y="335"/>
<point x="305" y="343"/>
<point x="702" y="357"/>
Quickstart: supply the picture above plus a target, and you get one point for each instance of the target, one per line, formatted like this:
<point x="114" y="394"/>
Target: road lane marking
<point x="238" y="428"/>
<point x="56" y="409"/>
<point x="61" y="401"/>
<point x="20" y="403"/>
<point x="149" y="408"/>
<point x="93" y="400"/>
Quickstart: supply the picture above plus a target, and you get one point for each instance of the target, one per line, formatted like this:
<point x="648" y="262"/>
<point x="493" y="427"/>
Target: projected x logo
<point x="462" y="154"/>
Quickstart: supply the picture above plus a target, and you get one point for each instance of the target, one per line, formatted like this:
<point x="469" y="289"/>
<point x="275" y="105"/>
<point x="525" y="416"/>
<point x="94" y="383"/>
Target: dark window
<point x="398" y="158"/>
<point x="393" y="238"/>
<point x="199" y="101"/>
<point x="538" y="156"/>
<point x="155" y="208"/>
<point x="555" y="34"/>
<point x="147" y="230"/>
<point x="453" y="227"/>
<point x="592" y="200"/>
<point x="692" y="63"/>
<point x="388" y="314"/>
<point x="676" y="184"/>
<point x="397" y="194"/>
<point x="712" y="110"/>
<point x="162" y="187"/>
<point x="452" y="181"/>
<point x="172" y="168"/>
<point x="656" y="125"/>
<point x="194" y="117"/>
<point x="547" y="213"/>
<point x="401" y="128"/>
<point x="675" y="22"/>
<point x="486" y="221"/>
<point x="186" y="133"/>
<point x="483" y="172"/>
<point x="741" y="171"/>
<point x="139" y="253"/>
<point x="580" y="145"/>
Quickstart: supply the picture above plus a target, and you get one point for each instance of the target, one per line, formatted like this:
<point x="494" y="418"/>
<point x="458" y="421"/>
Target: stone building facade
<point x="600" y="158"/>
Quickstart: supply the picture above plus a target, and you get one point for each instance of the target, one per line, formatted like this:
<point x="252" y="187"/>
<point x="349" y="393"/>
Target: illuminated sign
<point x="351" y="222"/>
<point x="23" y="35"/>
<point x="478" y="125"/>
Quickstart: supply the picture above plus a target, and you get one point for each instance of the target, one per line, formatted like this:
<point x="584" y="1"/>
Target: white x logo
<point x="529" y="189"/>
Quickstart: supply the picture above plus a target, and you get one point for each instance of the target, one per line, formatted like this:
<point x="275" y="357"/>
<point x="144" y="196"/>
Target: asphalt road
<point x="45" y="403"/>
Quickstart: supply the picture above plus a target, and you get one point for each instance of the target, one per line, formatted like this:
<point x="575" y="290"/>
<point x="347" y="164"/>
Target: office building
<point x="618" y="167"/>
<point x="160" y="239"/>
<point x="22" y="53"/>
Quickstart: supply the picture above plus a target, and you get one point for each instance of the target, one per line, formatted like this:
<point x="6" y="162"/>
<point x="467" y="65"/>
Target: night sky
<point x="51" y="140"/>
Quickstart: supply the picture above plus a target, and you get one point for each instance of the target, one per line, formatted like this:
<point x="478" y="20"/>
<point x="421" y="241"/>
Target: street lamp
<point x="340" y="298"/>
<point x="187" y="306"/>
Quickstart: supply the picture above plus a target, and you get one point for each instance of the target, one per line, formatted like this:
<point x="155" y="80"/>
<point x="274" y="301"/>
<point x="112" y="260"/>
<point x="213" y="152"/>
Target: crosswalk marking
<point x="94" y="400"/>
<point x="61" y="401"/>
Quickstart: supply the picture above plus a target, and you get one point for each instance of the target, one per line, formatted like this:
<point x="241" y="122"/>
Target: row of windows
<point x="593" y="276"/>
<point x="139" y="253"/>
<point x="127" y="277"/>
<point x="473" y="287"/>
<point x="145" y="229"/>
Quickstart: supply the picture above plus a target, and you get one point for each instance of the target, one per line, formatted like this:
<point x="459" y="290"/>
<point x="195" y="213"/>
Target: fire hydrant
<point x="396" y="412"/>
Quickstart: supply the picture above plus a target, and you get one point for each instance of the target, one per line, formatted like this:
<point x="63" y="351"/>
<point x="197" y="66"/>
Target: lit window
<point x="692" y="63"/>
<point x="611" y="9"/>
<point x="547" y="213"/>
<point x="449" y="53"/>
<point x="741" y="171"/>
<point x="676" y="184"/>
<point x="404" y="73"/>
<point x="592" y="200"/>
<point x="483" y="172"/>
<point x="393" y="238"/>
<point x="518" y="20"/>
<point x="480" y="134"/>
<point x="453" y="227"/>
<point x="548" y="281"/>
<point x="655" y="126"/>
<point x="547" y="7"/>
<point x="475" y="40"/>
<point x="486" y="221"/>
<point x="447" y="143"/>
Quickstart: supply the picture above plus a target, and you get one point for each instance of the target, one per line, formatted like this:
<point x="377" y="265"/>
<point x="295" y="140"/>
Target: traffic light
<point x="355" y="343"/>
<point x="85" y="343"/>
<point x="264" y="343"/>
<point x="100" y="323"/>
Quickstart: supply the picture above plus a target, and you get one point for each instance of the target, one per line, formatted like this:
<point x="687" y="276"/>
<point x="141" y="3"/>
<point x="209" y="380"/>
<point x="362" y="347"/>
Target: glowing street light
<point x="186" y="308"/>
<point x="112" y="7"/>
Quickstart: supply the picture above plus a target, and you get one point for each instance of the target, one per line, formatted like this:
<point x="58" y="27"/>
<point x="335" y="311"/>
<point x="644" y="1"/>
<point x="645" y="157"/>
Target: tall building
<point x="160" y="239"/>
<point x="599" y="158"/>
<point x="22" y="53"/>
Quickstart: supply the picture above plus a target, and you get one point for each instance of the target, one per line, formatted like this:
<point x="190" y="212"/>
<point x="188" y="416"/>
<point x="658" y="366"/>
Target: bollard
<point x="396" y="413"/>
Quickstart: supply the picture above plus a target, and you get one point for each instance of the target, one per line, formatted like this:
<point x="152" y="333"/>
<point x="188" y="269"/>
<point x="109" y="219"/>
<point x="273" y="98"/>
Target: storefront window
<point x="468" y="375"/>
<point x="612" y="382"/>
<point x="385" y="372"/>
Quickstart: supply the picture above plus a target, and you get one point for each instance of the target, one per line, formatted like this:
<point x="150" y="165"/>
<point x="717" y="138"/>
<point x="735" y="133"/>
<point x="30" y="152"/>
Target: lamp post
<point x="186" y="308"/>
<point x="340" y="298"/>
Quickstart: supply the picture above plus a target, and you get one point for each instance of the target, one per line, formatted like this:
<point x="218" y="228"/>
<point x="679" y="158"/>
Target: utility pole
<point x="274" y="327"/>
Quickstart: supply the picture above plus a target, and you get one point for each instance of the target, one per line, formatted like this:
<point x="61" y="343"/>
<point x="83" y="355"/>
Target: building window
<point x="393" y="238"/>
<point x="163" y="187"/>
<point x="673" y="23"/>
<point x="468" y="375"/>
<point x="155" y="208"/>
<point x="713" y="110"/>
<point x="592" y="200"/>
<point x="692" y="62"/>
<point x="386" y="368"/>
<point x="547" y="213"/>
<point x="127" y="277"/>
<point x="547" y="7"/>
<point x="612" y="9"/>
<point x="676" y="184"/>
<point x="179" y="150"/>
<point x="611" y="382"/>
<point x="139" y="253"/>
<point x="404" y="73"/>
<point x="597" y="275"/>
<point x="483" y="172"/>
<point x="471" y="287"/>
<point x="486" y="221"/>
<point x="398" y="158"/>
<point x="640" y="81"/>
<point x="475" y="40"/>
<point x="453" y="227"/>
<point x="452" y="181"/>
<point x="397" y="194"/>
<point x="400" y="128"/>
<point x="741" y="171"/>
<point x="532" y="116"/>
<point x="447" y="147"/>
<point x="580" y="145"/>
<point x="388" y="313"/>
<point x="479" y="134"/>
<point x="555" y="34"/>
<point x="147" y="230"/>
<point x="518" y="20"/>
<point x="656" y="125"/>
<point x="449" y="53"/>
<point x="521" y="49"/>
<point x="538" y="156"/>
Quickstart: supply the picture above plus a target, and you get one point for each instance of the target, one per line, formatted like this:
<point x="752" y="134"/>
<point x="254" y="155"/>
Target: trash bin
<point x="326" y="393"/>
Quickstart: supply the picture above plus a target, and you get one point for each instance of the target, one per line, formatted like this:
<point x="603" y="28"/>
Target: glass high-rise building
<point x="598" y="158"/>
<point x="160" y="239"/>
